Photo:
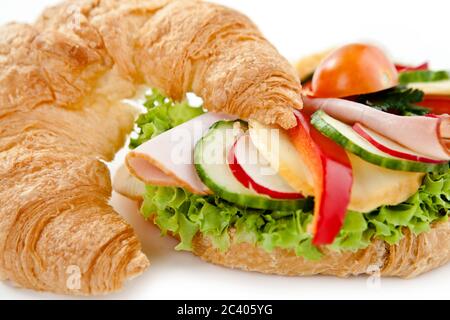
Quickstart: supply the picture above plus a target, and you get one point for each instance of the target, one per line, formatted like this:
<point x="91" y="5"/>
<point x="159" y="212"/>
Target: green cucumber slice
<point x="210" y="157"/>
<point x="344" y="135"/>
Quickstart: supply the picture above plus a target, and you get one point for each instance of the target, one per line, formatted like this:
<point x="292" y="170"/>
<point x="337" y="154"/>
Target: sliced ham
<point x="418" y="133"/>
<point x="167" y="160"/>
<point x="145" y="170"/>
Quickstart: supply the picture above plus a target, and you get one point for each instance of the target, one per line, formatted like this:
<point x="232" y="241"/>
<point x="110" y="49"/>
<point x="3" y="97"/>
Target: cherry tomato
<point x="354" y="69"/>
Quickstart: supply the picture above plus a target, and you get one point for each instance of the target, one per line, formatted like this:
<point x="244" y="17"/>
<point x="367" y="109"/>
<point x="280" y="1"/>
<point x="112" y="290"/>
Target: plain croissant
<point x="61" y="83"/>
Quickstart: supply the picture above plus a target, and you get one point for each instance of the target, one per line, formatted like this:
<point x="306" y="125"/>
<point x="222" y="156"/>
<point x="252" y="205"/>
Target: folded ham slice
<point x="167" y="160"/>
<point x="418" y="133"/>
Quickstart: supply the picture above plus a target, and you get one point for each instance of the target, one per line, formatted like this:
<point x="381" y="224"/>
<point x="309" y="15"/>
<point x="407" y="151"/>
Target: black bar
<point x="267" y="309"/>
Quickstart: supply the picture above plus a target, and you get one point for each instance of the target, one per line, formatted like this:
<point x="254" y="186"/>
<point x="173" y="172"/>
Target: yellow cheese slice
<point x="438" y="88"/>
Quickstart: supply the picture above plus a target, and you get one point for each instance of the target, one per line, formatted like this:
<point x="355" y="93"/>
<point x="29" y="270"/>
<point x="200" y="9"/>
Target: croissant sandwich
<point x="353" y="179"/>
<point x="321" y="196"/>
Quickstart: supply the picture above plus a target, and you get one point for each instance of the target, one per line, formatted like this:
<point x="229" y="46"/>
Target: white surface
<point x="413" y="31"/>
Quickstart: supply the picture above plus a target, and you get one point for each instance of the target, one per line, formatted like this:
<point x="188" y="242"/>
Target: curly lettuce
<point x="430" y="204"/>
<point x="423" y="76"/>
<point x="180" y="212"/>
<point x="161" y="115"/>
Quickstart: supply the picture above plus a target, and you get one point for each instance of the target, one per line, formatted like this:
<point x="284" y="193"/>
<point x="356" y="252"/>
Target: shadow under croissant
<point x="154" y="245"/>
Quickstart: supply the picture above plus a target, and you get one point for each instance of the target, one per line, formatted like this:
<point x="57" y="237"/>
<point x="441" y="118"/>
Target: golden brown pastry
<point x="412" y="256"/>
<point x="57" y="231"/>
<point x="61" y="85"/>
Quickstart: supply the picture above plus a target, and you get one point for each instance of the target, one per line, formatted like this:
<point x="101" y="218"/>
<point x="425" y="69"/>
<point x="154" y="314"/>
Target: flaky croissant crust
<point x="61" y="83"/>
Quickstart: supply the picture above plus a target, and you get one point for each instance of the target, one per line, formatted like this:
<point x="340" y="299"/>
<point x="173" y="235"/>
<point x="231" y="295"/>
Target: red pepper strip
<point x="333" y="178"/>
<point x="436" y="104"/>
<point x="403" y="68"/>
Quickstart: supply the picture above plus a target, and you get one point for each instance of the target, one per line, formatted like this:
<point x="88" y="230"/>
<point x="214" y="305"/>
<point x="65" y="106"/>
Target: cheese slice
<point x="374" y="186"/>
<point x="438" y="88"/>
<point x="276" y="147"/>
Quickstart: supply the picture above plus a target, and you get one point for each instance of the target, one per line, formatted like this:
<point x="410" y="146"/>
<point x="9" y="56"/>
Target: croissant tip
<point x="137" y="265"/>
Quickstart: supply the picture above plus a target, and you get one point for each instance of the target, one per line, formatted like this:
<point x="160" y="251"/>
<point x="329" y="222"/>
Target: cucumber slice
<point x="344" y="135"/>
<point x="210" y="157"/>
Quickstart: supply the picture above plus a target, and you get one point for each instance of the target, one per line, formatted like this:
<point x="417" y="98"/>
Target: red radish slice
<point x="404" y="68"/>
<point x="254" y="172"/>
<point x="390" y="147"/>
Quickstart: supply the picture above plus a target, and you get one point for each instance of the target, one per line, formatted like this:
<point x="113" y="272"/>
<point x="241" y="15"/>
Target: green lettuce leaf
<point x="161" y="115"/>
<point x="178" y="211"/>
<point x="398" y="100"/>
<point x="422" y="76"/>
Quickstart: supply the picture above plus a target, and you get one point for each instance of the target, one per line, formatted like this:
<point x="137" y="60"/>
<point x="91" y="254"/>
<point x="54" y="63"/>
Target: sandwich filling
<point x="179" y="210"/>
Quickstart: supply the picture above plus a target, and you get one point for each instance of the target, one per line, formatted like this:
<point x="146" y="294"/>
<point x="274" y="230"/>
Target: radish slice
<point x="405" y="68"/>
<point x="390" y="147"/>
<point x="255" y="172"/>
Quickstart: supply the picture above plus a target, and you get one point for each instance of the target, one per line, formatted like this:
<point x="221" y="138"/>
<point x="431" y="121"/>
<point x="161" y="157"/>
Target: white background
<point x="411" y="31"/>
